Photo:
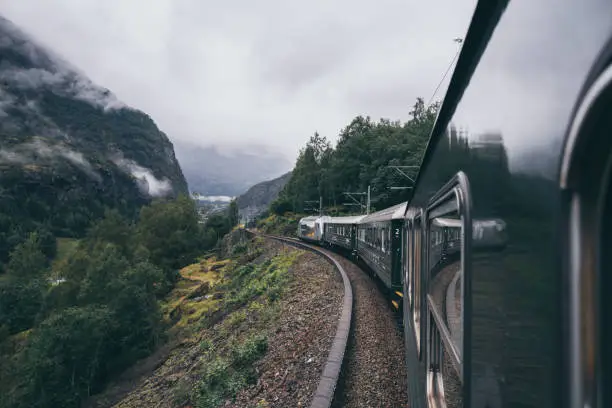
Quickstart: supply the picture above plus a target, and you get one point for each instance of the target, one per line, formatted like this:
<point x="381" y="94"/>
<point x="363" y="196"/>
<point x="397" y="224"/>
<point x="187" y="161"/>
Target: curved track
<point x="324" y="395"/>
<point x="372" y="372"/>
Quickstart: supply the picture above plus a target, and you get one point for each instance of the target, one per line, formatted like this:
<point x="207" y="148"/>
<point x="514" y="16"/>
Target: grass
<point x="280" y="224"/>
<point x="192" y="297"/>
<point x="224" y="376"/>
<point x="232" y="346"/>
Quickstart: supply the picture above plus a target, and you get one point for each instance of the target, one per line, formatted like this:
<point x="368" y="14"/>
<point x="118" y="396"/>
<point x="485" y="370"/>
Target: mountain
<point x="69" y="148"/>
<point x="257" y="199"/>
<point x="209" y="171"/>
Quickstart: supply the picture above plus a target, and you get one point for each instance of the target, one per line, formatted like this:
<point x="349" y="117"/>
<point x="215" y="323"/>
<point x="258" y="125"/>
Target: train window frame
<point x="586" y="188"/>
<point x="418" y="310"/>
<point x="454" y="196"/>
<point x="406" y="259"/>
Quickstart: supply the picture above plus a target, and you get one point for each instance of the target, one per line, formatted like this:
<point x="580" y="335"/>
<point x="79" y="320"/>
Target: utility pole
<point x="368" y="208"/>
<point x="357" y="202"/>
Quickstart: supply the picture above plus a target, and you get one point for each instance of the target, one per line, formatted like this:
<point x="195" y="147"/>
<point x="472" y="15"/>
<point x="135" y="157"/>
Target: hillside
<point x="364" y="155"/>
<point x="69" y="148"/>
<point x="257" y="198"/>
<point x="210" y="171"/>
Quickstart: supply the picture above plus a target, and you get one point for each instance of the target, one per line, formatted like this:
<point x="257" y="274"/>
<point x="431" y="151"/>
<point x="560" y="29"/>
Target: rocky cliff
<point x="257" y="198"/>
<point x="69" y="148"/>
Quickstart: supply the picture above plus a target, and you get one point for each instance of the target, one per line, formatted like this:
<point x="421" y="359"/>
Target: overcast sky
<point x="233" y="73"/>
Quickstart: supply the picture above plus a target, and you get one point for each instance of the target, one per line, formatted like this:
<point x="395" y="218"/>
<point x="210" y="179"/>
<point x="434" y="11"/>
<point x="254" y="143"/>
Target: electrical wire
<point x="447" y="71"/>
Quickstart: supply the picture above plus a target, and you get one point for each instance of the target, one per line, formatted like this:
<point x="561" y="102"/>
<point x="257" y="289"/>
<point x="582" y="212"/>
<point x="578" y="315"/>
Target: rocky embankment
<point x="252" y="330"/>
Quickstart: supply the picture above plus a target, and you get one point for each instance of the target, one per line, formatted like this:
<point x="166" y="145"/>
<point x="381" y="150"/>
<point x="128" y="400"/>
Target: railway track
<point x="325" y="392"/>
<point x="366" y="365"/>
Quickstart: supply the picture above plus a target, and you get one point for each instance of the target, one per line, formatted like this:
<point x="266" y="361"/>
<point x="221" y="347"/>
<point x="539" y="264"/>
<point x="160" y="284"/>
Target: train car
<point x="342" y="232"/>
<point x="379" y="246"/>
<point x="312" y="228"/>
<point x="519" y="160"/>
<point x="306" y="228"/>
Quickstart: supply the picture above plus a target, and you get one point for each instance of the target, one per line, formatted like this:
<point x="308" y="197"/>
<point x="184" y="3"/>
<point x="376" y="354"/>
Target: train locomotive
<point x="497" y="260"/>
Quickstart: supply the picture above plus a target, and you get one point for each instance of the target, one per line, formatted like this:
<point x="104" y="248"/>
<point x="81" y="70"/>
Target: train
<point x="497" y="261"/>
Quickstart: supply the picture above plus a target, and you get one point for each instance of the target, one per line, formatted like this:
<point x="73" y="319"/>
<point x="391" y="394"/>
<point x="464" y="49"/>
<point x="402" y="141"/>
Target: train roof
<point x="353" y="219"/>
<point x="391" y="213"/>
<point x="308" y="220"/>
<point x="315" y="218"/>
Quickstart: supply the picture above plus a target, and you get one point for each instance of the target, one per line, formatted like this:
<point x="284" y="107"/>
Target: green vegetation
<point x="64" y="160"/>
<point x="223" y="377"/>
<point x="275" y="224"/>
<point x="68" y="326"/>
<point x="86" y="253"/>
<point x="251" y="293"/>
<point x="235" y="329"/>
<point x="364" y="151"/>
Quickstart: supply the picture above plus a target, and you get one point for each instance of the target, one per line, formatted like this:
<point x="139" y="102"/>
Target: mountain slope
<point x="212" y="172"/>
<point x="68" y="148"/>
<point x="258" y="198"/>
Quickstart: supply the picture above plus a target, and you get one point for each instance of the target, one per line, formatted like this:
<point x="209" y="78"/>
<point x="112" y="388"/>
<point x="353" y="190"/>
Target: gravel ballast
<point x="374" y="372"/>
<point x="290" y="371"/>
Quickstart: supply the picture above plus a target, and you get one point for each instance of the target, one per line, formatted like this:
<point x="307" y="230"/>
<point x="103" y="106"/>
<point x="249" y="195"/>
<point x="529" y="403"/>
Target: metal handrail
<point x="445" y="337"/>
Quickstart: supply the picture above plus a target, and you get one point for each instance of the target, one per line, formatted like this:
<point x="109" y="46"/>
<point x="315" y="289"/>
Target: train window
<point x="387" y="239"/>
<point x="383" y="245"/>
<point x="449" y="228"/>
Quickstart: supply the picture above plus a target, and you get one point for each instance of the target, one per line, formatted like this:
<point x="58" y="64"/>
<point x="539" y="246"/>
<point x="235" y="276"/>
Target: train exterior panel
<point x="499" y="196"/>
<point x="306" y="228"/>
<point x="312" y="228"/>
<point x="342" y="231"/>
<point x="379" y="244"/>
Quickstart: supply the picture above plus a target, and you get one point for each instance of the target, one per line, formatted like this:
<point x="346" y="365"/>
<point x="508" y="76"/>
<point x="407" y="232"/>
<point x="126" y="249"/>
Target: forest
<point x="363" y="156"/>
<point x="73" y="318"/>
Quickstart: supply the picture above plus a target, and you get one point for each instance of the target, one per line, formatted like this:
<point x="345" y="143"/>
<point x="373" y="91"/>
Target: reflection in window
<point x="445" y="299"/>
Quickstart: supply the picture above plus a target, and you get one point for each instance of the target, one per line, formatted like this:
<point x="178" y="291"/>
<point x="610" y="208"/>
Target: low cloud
<point x="51" y="71"/>
<point x="147" y="182"/>
<point x="62" y="82"/>
<point x="213" y="199"/>
<point x="33" y="152"/>
<point x="32" y="78"/>
<point x="12" y="157"/>
<point x="247" y="72"/>
<point x="6" y="101"/>
<point x="87" y="91"/>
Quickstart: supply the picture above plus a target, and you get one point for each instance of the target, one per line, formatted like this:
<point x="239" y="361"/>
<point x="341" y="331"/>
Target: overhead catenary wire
<point x="459" y="41"/>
